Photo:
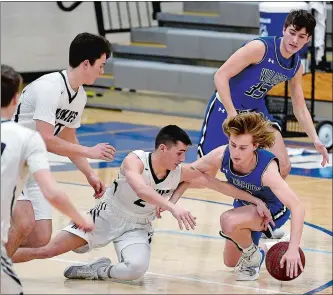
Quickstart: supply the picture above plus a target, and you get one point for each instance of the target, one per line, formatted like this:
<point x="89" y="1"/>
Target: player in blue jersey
<point x="243" y="81"/>
<point x="249" y="166"/>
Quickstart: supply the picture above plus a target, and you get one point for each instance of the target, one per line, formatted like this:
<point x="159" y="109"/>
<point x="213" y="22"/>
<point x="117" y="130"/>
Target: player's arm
<point x="46" y="97"/>
<point x="251" y="53"/>
<point x="36" y="158"/>
<point x="69" y="135"/>
<point x="193" y="174"/>
<point x="286" y="195"/>
<point x="132" y="168"/>
<point x="302" y="113"/>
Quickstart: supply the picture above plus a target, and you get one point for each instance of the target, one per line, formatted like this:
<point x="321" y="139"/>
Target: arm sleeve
<point x="36" y="154"/>
<point x="46" y="96"/>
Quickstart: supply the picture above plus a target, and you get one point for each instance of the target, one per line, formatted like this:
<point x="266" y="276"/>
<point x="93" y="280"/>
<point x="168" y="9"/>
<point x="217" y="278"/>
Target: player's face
<point x="293" y="40"/>
<point x="95" y="70"/>
<point x="174" y="155"/>
<point x="241" y="148"/>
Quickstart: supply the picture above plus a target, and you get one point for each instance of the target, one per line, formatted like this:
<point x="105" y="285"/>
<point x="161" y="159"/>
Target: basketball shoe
<point x="248" y="267"/>
<point x="86" y="271"/>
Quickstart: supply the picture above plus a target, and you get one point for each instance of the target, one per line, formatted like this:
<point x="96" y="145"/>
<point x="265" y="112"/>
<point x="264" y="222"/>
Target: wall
<point x="35" y="36"/>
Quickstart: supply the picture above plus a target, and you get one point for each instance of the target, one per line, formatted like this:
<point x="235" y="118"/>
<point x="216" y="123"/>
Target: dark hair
<point x="301" y="19"/>
<point x="10" y="84"/>
<point x="86" y="46"/>
<point x="169" y="135"/>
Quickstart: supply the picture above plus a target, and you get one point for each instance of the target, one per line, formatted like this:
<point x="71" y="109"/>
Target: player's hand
<point x="184" y="217"/>
<point x="85" y="222"/>
<point x="320" y="147"/>
<point x="102" y="151"/>
<point x="291" y="259"/>
<point x="264" y="212"/>
<point x="97" y="184"/>
<point x="158" y="211"/>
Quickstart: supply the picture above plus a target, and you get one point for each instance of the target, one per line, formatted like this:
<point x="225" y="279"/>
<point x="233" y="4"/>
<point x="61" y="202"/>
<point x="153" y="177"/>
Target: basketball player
<point x="249" y="166"/>
<point x="22" y="147"/>
<point x="243" y="81"/>
<point x="53" y="105"/>
<point x="124" y="215"/>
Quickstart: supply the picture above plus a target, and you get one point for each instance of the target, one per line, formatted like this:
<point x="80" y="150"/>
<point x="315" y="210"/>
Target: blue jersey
<point x="250" y="86"/>
<point x="252" y="182"/>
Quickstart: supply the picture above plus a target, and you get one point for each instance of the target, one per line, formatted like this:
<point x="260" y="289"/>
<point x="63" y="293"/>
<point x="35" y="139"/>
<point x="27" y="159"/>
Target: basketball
<point x="273" y="258"/>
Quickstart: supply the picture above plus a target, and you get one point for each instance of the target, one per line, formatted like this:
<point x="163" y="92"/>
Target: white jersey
<point x="122" y="195"/>
<point x="20" y="147"/>
<point x="52" y="100"/>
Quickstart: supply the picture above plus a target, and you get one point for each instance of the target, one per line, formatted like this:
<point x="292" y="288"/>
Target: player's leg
<point x="241" y="227"/>
<point x="133" y="251"/>
<point x="22" y="224"/>
<point x="10" y="283"/>
<point x="42" y="231"/>
<point x="61" y="243"/>
<point x="30" y="228"/>
<point x="212" y="135"/>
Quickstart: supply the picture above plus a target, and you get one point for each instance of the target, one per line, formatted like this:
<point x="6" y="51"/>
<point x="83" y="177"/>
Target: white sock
<point x="250" y="250"/>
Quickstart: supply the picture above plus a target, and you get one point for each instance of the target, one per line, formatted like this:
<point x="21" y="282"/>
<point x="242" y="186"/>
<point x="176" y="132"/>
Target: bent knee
<point x="137" y="270"/>
<point x="228" y="223"/>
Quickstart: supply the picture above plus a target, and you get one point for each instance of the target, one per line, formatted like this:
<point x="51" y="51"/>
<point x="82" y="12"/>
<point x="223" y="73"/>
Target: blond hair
<point x="250" y="123"/>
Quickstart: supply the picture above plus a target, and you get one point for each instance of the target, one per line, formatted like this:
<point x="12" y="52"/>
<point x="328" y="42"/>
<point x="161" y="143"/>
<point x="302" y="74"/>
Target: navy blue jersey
<point x="252" y="182"/>
<point x="250" y="86"/>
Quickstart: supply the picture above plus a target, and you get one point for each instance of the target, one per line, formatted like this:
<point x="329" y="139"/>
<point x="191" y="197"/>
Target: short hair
<point x="169" y="135"/>
<point x="10" y="84"/>
<point x="86" y="46"/>
<point x="301" y="19"/>
<point x="251" y="123"/>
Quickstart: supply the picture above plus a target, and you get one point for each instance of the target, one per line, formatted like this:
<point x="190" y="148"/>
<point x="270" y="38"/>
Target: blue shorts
<point x="212" y="135"/>
<point x="280" y="216"/>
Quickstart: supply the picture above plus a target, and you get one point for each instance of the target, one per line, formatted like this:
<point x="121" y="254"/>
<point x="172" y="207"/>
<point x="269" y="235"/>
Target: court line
<point x="185" y="233"/>
<point x="187" y="278"/>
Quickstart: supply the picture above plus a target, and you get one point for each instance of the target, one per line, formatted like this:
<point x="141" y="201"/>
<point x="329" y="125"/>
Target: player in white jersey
<point x="53" y="105"/>
<point x="23" y="151"/>
<point x="125" y="213"/>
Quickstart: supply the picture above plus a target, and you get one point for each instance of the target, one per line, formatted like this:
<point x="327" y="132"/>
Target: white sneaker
<point x="277" y="234"/>
<point x="86" y="271"/>
<point x="247" y="268"/>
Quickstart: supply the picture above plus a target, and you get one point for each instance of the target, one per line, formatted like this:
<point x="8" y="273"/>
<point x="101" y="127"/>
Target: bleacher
<point x="182" y="53"/>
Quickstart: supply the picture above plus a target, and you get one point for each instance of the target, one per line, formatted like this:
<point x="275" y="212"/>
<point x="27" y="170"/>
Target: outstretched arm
<point x="303" y="116"/>
<point x="286" y="195"/>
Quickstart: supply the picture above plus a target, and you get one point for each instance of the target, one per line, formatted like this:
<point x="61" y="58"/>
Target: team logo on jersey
<point x="271" y="60"/>
<point x="66" y="115"/>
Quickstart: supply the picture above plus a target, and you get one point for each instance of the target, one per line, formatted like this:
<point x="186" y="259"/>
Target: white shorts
<point x="31" y="192"/>
<point x="10" y="283"/>
<point x="113" y="225"/>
